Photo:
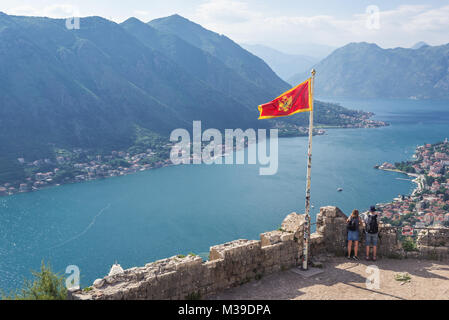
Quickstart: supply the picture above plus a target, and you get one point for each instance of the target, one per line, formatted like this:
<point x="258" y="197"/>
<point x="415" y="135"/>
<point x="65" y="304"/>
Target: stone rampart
<point x="237" y="262"/>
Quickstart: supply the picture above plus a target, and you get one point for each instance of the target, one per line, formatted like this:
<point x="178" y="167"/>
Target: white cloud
<point x="402" y="26"/>
<point x="225" y="11"/>
<point x="244" y="23"/>
<point x="142" y="14"/>
<point x="23" y="11"/>
<point x="432" y="20"/>
<point x="61" y="11"/>
<point x="52" y="11"/>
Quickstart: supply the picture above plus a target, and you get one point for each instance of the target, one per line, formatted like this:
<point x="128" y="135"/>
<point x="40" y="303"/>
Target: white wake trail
<point x="85" y="230"/>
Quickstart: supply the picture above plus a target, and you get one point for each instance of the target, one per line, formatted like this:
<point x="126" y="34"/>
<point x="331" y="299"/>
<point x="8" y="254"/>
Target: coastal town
<point x="428" y="205"/>
<point x="78" y="165"/>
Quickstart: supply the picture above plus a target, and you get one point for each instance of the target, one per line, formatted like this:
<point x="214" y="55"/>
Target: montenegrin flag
<point x="297" y="99"/>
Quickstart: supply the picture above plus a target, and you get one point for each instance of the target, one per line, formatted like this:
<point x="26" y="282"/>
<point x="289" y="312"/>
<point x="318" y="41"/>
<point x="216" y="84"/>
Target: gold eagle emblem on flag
<point x="285" y="104"/>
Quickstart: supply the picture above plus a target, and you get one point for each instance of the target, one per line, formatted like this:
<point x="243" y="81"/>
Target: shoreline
<point x="428" y="203"/>
<point x="319" y="130"/>
<point x="416" y="179"/>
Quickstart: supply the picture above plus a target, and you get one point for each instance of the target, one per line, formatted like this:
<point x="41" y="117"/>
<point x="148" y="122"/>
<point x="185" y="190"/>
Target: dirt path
<point x="346" y="279"/>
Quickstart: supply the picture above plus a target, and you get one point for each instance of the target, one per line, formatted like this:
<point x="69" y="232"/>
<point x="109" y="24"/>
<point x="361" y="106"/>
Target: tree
<point x="429" y="180"/>
<point x="46" y="285"/>
<point x="409" y="244"/>
<point x="442" y="190"/>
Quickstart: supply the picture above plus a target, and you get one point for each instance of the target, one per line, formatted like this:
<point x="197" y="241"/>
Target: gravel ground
<point x="344" y="279"/>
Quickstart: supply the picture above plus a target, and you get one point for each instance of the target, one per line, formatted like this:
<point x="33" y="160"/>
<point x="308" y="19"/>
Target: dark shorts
<point x="371" y="239"/>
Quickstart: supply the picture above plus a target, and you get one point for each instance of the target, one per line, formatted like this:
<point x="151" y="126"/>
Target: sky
<point x="286" y="25"/>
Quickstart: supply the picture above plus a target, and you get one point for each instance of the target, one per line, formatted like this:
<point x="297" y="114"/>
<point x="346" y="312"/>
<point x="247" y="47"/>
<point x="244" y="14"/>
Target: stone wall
<point x="331" y="237"/>
<point x="433" y="244"/>
<point x="237" y="262"/>
<point x="231" y="264"/>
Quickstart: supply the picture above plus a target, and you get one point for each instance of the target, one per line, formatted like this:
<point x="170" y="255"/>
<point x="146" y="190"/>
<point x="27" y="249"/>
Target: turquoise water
<point x="155" y="214"/>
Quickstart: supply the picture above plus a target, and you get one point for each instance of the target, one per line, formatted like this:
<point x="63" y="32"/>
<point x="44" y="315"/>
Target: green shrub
<point x="409" y="245"/>
<point x="46" y="285"/>
<point x="194" y="296"/>
<point x="404" y="277"/>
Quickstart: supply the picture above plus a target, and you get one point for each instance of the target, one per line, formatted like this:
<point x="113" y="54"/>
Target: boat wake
<point x="91" y="224"/>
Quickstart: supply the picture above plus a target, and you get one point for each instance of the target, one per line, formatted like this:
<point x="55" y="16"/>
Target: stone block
<point x="293" y="223"/>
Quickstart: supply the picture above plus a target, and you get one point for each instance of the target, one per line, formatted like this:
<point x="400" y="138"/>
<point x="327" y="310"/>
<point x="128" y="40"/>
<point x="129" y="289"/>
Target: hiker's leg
<point x="349" y="247"/>
<point x="374" y="251"/>
<point x="367" y="251"/>
<point x="356" y="248"/>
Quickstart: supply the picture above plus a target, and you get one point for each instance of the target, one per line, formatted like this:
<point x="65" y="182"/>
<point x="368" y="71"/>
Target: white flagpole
<point x="305" y="260"/>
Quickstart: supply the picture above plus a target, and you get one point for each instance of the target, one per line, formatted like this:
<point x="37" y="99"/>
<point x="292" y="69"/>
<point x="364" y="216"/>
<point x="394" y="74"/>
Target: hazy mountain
<point x="367" y="71"/>
<point x="318" y="51"/>
<point x="102" y="87"/>
<point x="285" y="65"/>
<point x="202" y="65"/>
<point x="247" y="65"/>
<point x="419" y="45"/>
<point x="92" y="87"/>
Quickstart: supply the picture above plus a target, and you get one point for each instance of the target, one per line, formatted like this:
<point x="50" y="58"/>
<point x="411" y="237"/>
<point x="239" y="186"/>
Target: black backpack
<point x="352" y="225"/>
<point x="371" y="226"/>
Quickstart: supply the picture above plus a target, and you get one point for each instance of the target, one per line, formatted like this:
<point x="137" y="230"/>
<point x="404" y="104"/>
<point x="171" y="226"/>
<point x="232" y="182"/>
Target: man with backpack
<point x="372" y="232"/>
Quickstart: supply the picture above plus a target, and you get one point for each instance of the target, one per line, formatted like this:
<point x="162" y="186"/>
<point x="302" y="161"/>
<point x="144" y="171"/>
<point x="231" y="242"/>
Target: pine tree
<point x="46" y="285"/>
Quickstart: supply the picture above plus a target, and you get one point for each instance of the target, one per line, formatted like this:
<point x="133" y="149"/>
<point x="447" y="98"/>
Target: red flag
<point x="297" y="99"/>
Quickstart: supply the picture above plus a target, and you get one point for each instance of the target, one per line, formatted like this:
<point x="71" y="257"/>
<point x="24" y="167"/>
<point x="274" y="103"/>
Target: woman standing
<point x="353" y="233"/>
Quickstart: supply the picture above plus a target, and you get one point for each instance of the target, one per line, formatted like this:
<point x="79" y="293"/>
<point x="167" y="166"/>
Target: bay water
<point x="139" y="218"/>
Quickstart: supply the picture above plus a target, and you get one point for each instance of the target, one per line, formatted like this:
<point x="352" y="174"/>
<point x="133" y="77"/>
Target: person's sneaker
<point x="355" y="258"/>
<point x="374" y="258"/>
<point x="367" y="258"/>
<point x="348" y="257"/>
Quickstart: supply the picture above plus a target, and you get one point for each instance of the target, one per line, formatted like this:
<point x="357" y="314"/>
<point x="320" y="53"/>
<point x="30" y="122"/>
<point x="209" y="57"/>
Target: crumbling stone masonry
<point x="237" y="262"/>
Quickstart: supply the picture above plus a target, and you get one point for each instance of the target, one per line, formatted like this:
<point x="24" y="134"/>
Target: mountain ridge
<point x="365" y="70"/>
<point x="284" y="64"/>
<point x="108" y="87"/>
<point x="249" y="66"/>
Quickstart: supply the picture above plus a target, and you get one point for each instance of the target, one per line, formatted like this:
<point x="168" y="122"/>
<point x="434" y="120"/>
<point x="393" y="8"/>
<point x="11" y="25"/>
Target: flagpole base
<point x="310" y="272"/>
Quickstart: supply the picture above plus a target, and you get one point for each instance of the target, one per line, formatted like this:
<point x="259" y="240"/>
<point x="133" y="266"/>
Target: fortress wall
<point x="231" y="264"/>
<point x="433" y="244"/>
<point x="331" y="230"/>
<point x="237" y="262"/>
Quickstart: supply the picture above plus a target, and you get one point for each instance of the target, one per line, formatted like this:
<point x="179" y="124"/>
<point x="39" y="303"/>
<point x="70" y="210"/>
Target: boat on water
<point x="340" y="189"/>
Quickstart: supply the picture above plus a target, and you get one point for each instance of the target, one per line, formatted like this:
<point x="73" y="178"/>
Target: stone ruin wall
<point x="238" y="262"/>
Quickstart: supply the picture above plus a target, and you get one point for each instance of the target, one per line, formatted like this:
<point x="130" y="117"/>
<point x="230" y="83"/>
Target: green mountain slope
<point x="200" y="64"/>
<point x="122" y="87"/>
<point x="247" y="65"/>
<point x="89" y="87"/>
<point x="368" y="71"/>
